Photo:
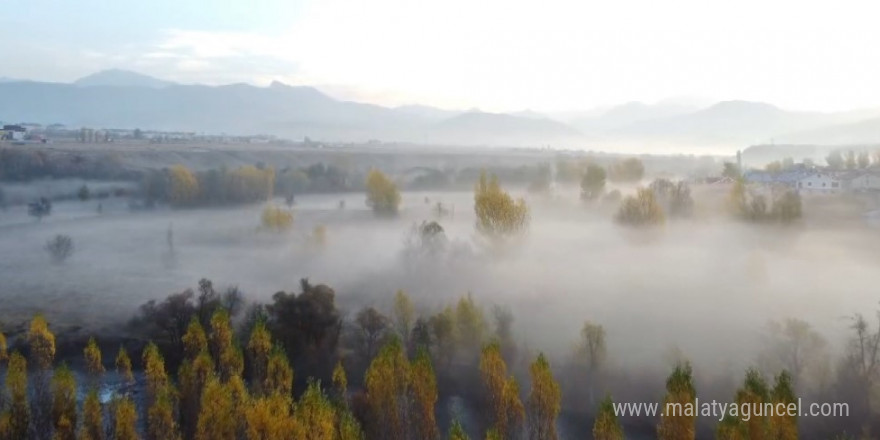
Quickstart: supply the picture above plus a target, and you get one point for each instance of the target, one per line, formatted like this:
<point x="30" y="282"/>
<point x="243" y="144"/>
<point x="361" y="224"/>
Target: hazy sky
<point x="496" y="55"/>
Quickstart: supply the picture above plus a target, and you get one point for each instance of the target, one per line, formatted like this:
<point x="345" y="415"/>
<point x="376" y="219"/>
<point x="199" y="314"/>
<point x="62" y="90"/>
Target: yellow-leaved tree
<point x="277" y="219"/>
<point x="64" y="404"/>
<point x="544" y="401"/>
<point x="606" y="426"/>
<point x="183" y="188"/>
<point x="382" y="194"/>
<point x="676" y="423"/>
<point x="314" y="414"/>
<point x="125" y="415"/>
<point x="508" y="413"/>
<point x="123" y="366"/>
<point x="259" y="347"/>
<point x="423" y="385"/>
<point x="499" y="215"/>
<point x="783" y="424"/>
<point x="18" y="412"/>
<point x="387" y="381"/>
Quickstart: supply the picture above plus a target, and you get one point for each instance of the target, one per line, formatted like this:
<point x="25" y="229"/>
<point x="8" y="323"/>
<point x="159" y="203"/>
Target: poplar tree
<point x="544" y="401"/>
<point x="675" y="424"/>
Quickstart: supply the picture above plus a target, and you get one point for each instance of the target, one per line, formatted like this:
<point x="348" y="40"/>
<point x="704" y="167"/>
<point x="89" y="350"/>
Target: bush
<point x="60" y="248"/>
<point x="382" y="194"/>
<point x="640" y="210"/>
<point x="276" y="219"/>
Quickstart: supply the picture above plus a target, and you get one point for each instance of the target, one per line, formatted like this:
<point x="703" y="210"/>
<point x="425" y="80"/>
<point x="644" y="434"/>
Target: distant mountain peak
<point x="121" y="78"/>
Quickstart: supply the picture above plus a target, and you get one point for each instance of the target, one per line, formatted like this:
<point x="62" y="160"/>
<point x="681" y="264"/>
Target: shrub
<point x="60" y="248"/>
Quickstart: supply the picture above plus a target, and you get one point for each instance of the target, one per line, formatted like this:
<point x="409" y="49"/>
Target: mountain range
<point x="125" y="99"/>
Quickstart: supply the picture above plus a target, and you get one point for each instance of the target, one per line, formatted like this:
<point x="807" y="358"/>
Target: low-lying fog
<point x="708" y="286"/>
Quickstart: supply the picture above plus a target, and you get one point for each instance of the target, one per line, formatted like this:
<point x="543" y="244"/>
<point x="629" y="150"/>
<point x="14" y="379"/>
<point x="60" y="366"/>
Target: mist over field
<point x="332" y="220"/>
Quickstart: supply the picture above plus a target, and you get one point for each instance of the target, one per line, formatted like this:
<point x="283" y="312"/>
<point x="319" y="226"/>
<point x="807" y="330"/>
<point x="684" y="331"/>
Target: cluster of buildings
<point x="819" y="180"/>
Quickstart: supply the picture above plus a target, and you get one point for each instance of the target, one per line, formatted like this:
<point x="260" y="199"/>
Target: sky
<point x="496" y="55"/>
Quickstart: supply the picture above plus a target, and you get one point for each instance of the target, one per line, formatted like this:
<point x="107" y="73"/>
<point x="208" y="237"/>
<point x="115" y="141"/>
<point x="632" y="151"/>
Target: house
<point x="820" y="182"/>
<point x="15" y="132"/>
<point x="788" y="179"/>
<point x="861" y="181"/>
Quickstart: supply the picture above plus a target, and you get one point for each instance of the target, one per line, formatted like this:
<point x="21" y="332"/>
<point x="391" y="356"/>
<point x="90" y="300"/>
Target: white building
<point x="820" y="183"/>
<point x="862" y="181"/>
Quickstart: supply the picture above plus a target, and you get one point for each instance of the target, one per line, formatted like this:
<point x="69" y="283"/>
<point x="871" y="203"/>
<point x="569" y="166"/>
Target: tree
<point x="640" y="210"/>
<point x="279" y="375"/>
<point x="307" y="325"/>
<point x="161" y="417"/>
<point x="94" y="366"/>
<point x="424" y="391"/>
<point x="154" y="370"/>
<point x="218" y="419"/>
<point x="676" y="423"/>
<point x="83" y="194"/>
<point x="851" y="161"/>
<point x="544" y="401"/>
<point x="183" y="187"/>
<point x="773" y="167"/>
<point x="123" y="366"/>
<point x="259" y="348"/>
<point x="93" y="417"/>
<point x="442" y="326"/>
<point x="4" y="355"/>
<point x="456" y="431"/>
<point x="41" y="342"/>
<point x="40" y="208"/>
<point x="675" y="197"/>
<point x="314" y="414"/>
<point x="470" y="322"/>
<point x="754" y="393"/>
<point x="731" y="170"/>
<point x="126" y="420"/>
<point x="590" y="352"/>
<point x="387" y="382"/>
<point x="271" y="418"/>
<point x="403" y="316"/>
<point x="783" y="425"/>
<point x="498" y="215"/>
<point x="18" y="412"/>
<point x="793" y="346"/>
<point x="382" y="194"/>
<point x="225" y="353"/>
<point x="835" y="160"/>
<point x="606" y="426"/>
<point x="593" y="182"/>
<point x="192" y="376"/>
<point x="276" y="219"/>
<point x="63" y="403"/>
<point x="59" y="248"/>
<point x="627" y="170"/>
<point x="507" y="411"/>
<point x="864" y="160"/>
<point x="787" y="208"/>
<point x="372" y="326"/>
